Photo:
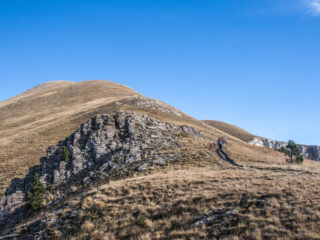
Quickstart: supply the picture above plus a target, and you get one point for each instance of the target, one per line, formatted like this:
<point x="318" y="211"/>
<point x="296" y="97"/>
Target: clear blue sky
<point x="252" y="63"/>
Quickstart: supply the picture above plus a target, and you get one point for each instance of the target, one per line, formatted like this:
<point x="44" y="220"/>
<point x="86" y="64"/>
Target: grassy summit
<point x="268" y="198"/>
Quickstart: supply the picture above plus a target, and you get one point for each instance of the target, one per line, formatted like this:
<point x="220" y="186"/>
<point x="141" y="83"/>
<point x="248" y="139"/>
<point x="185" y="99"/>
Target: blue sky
<point x="252" y="63"/>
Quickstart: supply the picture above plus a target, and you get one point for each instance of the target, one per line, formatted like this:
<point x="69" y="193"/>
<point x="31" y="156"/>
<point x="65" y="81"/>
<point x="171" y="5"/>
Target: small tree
<point x="292" y="150"/>
<point x="35" y="195"/>
<point x="299" y="159"/>
<point x="65" y="155"/>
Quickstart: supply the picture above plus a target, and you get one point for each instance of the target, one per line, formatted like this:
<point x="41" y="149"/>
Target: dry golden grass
<point x="248" y="155"/>
<point x="231" y="129"/>
<point x="275" y="200"/>
<point x="40" y="117"/>
<point x="272" y="205"/>
<point x="46" y="114"/>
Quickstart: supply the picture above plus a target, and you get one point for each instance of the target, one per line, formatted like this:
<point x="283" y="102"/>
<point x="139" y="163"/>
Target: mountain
<point x="102" y="146"/>
<point x="45" y="114"/>
<point x="114" y="164"/>
<point x="307" y="151"/>
<point x="231" y="129"/>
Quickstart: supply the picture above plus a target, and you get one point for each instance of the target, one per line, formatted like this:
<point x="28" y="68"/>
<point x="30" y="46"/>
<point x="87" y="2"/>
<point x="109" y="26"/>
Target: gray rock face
<point x="277" y="145"/>
<point x="191" y="131"/>
<point x="221" y="216"/>
<point x="310" y="152"/>
<point x="100" y="146"/>
<point x="256" y="142"/>
<point x="10" y="204"/>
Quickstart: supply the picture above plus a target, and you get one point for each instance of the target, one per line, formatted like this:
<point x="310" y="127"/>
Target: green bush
<point x="65" y="155"/>
<point x="299" y="159"/>
<point x="149" y="124"/>
<point x="182" y="135"/>
<point x="293" y="152"/>
<point x="35" y="195"/>
<point x="141" y="221"/>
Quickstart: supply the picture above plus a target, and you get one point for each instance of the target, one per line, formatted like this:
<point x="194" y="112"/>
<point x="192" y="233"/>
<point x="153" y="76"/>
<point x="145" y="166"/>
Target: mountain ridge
<point x="123" y="166"/>
<point x="40" y="117"/>
<point x="311" y="152"/>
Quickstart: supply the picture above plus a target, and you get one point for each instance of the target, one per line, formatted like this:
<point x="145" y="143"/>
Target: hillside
<point x="129" y="176"/>
<point x="42" y="115"/>
<point x="45" y="114"/>
<point x="231" y="129"/>
<point x="138" y="168"/>
<point x="311" y="152"/>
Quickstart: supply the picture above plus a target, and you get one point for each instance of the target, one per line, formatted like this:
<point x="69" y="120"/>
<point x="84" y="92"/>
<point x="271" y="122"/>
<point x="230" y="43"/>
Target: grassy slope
<point x="271" y="196"/>
<point x="170" y="200"/>
<point x="231" y="129"/>
<point x="42" y="116"/>
<point x="46" y="114"/>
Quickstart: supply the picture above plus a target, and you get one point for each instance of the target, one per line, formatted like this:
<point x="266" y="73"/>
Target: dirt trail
<point x="224" y="157"/>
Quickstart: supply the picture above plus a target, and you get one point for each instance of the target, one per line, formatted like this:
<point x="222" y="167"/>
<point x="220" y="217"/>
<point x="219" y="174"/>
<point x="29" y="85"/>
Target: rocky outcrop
<point x="257" y="142"/>
<point x="309" y="152"/>
<point x="219" y="216"/>
<point x="103" y="145"/>
<point x="269" y="143"/>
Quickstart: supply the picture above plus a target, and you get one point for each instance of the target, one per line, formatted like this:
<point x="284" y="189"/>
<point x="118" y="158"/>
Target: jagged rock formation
<point x="43" y="115"/>
<point x="256" y="142"/>
<point x="310" y="152"/>
<point x="269" y="143"/>
<point x="103" y="145"/>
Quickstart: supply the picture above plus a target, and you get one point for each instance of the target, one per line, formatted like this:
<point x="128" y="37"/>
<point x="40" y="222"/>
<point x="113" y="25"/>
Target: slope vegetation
<point x="130" y="176"/>
<point x="311" y="152"/>
<point x="140" y="169"/>
<point x="43" y="115"/>
<point x="231" y="129"/>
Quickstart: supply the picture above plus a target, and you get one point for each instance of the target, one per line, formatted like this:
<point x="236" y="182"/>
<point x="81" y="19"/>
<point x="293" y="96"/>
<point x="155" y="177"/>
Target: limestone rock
<point x="221" y="216"/>
<point x="191" y="131"/>
<point x="101" y="146"/>
<point x="256" y="142"/>
<point x="143" y="167"/>
<point x="159" y="161"/>
<point x="310" y="152"/>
